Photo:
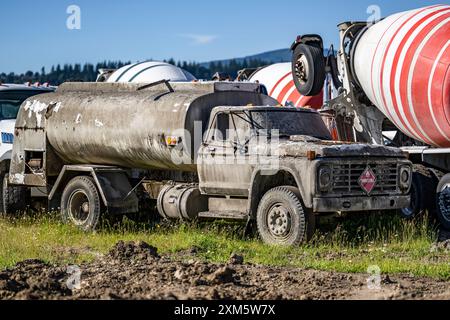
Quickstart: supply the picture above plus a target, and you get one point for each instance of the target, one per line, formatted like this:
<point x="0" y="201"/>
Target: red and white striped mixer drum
<point x="278" y="80"/>
<point x="403" y="65"/>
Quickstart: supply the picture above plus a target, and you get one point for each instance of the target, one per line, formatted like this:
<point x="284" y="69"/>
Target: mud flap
<point x="118" y="193"/>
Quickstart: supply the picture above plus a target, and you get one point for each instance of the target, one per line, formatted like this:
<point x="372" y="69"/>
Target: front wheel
<point x="282" y="219"/>
<point x="443" y="202"/>
<point x="80" y="203"/>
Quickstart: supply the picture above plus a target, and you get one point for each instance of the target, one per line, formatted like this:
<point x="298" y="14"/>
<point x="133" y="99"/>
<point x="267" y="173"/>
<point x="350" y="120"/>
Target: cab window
<point x="220" y="128"/>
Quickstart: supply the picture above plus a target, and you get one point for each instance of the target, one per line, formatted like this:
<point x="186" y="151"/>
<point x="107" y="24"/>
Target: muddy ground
<point x="136" y="271"/>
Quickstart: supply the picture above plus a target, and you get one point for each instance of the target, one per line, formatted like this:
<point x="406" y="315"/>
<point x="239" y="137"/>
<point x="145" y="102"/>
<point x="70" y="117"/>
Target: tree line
<point x="88" y="72"/>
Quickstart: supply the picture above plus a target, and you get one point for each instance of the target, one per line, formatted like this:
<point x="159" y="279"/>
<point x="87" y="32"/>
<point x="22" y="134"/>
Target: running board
<point x="225" y="215"/>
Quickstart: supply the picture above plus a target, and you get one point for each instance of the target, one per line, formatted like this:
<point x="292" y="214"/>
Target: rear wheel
<point x="14" y="198"/>
<point x="282" y="219"/>
<point x="308" y="69"/>
<point x="80" y="203"/>
<point x="443" y="202"/>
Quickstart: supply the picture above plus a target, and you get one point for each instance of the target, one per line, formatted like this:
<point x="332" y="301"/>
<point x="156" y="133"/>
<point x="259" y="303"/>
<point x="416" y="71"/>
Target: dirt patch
<point x="136" y="271"/>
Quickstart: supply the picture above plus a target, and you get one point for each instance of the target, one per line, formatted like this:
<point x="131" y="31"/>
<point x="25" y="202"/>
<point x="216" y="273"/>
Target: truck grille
<point x="346" y="178"/>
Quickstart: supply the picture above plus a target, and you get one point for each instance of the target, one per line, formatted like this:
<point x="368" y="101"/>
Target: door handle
<point x="211" y="149"/>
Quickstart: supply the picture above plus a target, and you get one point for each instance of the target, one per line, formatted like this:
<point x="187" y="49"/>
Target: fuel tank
<point x="402" y="63"/>
<point x="128" y="125"/>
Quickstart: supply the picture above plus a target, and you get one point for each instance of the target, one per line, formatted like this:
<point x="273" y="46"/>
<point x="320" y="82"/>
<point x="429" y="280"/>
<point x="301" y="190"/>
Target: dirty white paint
<point x="18" y="178"/>
<point x="98" y="123"/>
<point x="78" y="119"/>
<point x="35" y="107"/>
<point x="58" y="105"/>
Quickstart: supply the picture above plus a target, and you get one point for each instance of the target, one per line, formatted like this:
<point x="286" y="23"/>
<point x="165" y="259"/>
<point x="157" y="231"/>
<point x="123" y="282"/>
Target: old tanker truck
<point x="392" y="76"/>
<point x="199" y="150"/>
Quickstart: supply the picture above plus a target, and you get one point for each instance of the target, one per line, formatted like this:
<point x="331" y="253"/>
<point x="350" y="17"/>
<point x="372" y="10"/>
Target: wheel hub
<point x="79" y="207"/>
<point x="85" y="207"/>
<point x="279" y="221"/>
<point x="302" y="69"/>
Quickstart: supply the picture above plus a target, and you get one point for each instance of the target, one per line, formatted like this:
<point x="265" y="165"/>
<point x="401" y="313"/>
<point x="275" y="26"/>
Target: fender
<point x="112" y="183"/>
<point x="309" y="39"/>
<point x="257" y="188"/>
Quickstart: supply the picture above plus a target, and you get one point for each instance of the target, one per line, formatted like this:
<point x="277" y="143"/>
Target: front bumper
<point x="351" y="204"/>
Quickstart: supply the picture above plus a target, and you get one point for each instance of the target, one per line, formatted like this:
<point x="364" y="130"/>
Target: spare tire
<point x="308" y="69"/>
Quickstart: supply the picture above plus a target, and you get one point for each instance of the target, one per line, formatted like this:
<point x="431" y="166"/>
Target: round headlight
<point x="405" y="176"/>
<point x="324" y="178"/>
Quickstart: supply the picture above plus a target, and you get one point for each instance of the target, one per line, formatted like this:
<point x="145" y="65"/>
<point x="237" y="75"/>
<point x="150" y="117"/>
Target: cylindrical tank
<point x="150" y="71"/>
<point x="132" y="125"/>
<point x="278" y="80"/>
<point x="181" y="202"/>
<point x="403" y="65"/>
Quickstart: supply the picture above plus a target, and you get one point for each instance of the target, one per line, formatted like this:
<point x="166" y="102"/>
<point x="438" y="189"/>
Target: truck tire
<point x="422" y="188"/>
<point x="14" y="198"/>
<point x="417" y="198"/>
<point x="80" y="203"/>
<point x="308" y="69"/>
<point x="443" y="202"/>
<point x="281" y="218"/>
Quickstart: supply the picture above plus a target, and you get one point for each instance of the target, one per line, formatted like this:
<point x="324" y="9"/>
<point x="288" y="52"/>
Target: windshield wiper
<point x="250" y="121"/>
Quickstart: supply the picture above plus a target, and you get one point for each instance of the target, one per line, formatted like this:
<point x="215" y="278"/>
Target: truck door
<point x="224" y="167"/>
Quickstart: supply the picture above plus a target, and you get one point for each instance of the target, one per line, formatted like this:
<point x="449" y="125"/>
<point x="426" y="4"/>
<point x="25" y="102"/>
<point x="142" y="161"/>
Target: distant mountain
<point x="281" y="55"/>
<point x="269" y="57"/>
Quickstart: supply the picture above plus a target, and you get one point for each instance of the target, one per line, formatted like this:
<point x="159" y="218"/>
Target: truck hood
<point x="298" y="146"/>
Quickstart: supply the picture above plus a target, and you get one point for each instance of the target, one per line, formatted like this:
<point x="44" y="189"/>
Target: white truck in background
<point x="11" y="97"/>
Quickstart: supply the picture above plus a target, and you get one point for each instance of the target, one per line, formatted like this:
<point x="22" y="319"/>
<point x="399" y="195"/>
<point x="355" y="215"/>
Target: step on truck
<point x="219" y="150"/>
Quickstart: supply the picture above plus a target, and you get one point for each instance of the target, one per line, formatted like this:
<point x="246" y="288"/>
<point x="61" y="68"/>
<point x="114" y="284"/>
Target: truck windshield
<point x="10" y="102"/>
<point x="288" y="123"/>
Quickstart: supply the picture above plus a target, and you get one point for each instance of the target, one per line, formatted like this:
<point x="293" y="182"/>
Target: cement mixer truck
<point x="218" y="150"/>
<point x="392" y="76"/>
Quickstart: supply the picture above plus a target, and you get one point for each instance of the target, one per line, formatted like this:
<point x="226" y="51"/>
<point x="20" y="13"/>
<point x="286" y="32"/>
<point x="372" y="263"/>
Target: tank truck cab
<point x="279" y="167"/>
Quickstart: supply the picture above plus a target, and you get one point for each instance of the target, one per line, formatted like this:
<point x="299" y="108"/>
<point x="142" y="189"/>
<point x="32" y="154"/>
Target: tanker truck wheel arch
<point x="282" y="219"/>
<point x="80" y="203"/>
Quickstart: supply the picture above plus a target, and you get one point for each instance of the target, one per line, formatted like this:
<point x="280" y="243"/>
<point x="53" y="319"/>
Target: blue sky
<point x="34" y="33"/>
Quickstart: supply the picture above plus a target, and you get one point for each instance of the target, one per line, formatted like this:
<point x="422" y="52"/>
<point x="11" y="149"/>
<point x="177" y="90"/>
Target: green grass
<point x="351" y="245"/>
